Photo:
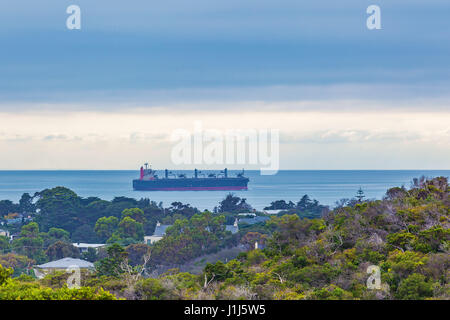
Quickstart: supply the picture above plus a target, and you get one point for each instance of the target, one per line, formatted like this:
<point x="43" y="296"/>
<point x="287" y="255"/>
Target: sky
<point x="110" y="95"/>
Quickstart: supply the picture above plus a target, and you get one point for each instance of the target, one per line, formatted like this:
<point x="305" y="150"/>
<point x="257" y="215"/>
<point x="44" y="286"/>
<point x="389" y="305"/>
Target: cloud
<point x="333" y="97"/>
<point x="55" y="137"/>
<point x="122" y="139"/>
<point x="354" y="136"/>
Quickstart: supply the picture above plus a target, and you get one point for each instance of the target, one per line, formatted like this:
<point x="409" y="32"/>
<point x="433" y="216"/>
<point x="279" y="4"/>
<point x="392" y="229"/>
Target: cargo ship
<point x="150" y="181"/>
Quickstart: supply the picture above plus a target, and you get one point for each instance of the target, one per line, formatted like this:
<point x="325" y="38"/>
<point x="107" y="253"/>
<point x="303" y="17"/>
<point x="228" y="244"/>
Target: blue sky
<point x="287" y="58"/>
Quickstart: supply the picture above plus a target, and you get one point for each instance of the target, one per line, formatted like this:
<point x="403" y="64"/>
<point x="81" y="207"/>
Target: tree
<point x="187" y="239"/>
<point x="233" y="204"/>
<point x="7" y="206"/>
<point x="360" y="195"/>
<point x="18" y="263"/>
<point x="250" y="238"/>
<point x="130" y="228"/>
<point x="415" y="287"/>
<point x="90" y="255"/>
<point x="60" y="250"/>
<point x="59" y="234"/>
<point x="105" y="227"/>
<point x="110" y="266"/>
<point x="151" y="289"/>
<point x="280" y="205"/>
<point x="5" y="274"/>
<point x="26" y="205"/>
<point x="4" y="244"/>
<point x="16" y="289"/>
<point x="136" y="253"/>
<point x="85" y="233"/>
<point x="59" y="208"/>
<point x="30" y="243"/>
<point x="54" y="235"/>
<point x="135" y="214"/>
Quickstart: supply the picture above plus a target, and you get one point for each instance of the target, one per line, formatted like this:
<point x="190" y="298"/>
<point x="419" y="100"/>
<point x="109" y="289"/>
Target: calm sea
<point x="325" y="186"/>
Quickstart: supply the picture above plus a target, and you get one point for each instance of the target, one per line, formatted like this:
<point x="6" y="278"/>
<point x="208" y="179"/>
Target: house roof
<point x="160" y="229"/>
<point x="66" y="263"/>
<point x="247" y="214"/>
<point x="88" y="245"/>
<point x="273" y="211"/>
<point x="232" y="228"/>
<point x="254" y="220"/>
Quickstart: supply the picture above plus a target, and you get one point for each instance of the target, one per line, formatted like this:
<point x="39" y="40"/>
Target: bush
<point x="414" y="287"/>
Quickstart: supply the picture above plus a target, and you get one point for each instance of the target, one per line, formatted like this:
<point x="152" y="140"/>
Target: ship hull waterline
<point x="219" y="184"/>
<point x="192" y="189"/>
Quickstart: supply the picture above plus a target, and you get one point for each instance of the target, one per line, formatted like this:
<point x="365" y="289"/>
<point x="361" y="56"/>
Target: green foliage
<point x="90" y="255"/>
<point x="152" y="289"/>
<point x="19" y="263"/>
<point x="59" y="208"/>
<point x="331" y="292"/>
<point x="30" y="244"/>
<point x="136" y="253"/>
<point x="415" y="287"/>
<point x="7" y="206"/>
<point x="105" y="227"/>
<point x="130" y="228"/>
<point x="18" y="290"/>
<point x="218" y="271"/>
<point x="60" y="250"/>
<point x="187" y="239"/>
<point x="110" y="266"/>
<point x="256" y="257"/>
<point x="5" y="274"/>
<point x="234" y="204"/>
<point x="4" y="245"/>
<point x="135" y="214"/>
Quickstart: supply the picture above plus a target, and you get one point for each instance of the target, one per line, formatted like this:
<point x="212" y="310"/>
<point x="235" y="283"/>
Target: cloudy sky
<point x="111" y="94"/>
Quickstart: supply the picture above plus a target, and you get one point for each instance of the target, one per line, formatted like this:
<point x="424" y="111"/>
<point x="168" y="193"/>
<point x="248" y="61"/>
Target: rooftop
<point x="273" y="211"/>
<point x="160" y="229"/>
<point x="88" y="245"/>
<point x="254" y="220"/>
<point x="232" y="228"/>
<point x="65" y="263"/>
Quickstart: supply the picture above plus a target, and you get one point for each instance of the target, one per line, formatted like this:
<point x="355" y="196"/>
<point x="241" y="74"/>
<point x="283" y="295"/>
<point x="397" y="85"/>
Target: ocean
<point x="327" y="186"/>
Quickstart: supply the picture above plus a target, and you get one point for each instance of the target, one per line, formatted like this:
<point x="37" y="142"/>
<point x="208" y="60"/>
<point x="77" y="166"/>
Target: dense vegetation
<point x="305" y="252"/>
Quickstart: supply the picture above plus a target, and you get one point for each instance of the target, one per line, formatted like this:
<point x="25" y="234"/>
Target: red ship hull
<point x="233" y="188"/>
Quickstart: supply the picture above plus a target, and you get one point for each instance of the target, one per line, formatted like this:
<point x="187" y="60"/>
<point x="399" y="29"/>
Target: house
<point x="160" y="231"/>
<point x="4" y="233"/>
<point x="233" y="228"/>
<point x="83" y="247"/>
<point x="247" y="214"/>
<point x="14" y="221"/>
<point x="254" y="220"/>
<point x="61" y="265"/>
<point x="272" y="211"/>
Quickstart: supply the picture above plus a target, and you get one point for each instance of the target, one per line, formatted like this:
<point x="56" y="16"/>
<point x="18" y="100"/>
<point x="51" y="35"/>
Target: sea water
<point x="327" y="186"/>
